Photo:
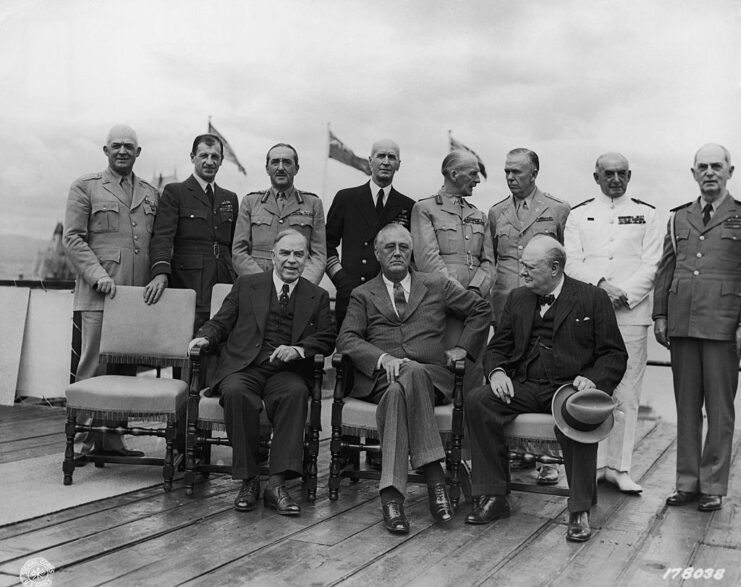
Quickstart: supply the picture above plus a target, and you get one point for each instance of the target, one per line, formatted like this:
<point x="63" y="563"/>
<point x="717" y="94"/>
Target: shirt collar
<point x="203" y="183"/>
<point x="528" y="199"/>
<point x="406" y="284"/>
<point x="118" y="177"/>
<point x="557" y="290"/>
<point x="374" y="187"/>
<point x="716" y="204"/>
<point x="289" y="192"/>
<point x="278" y="283"/>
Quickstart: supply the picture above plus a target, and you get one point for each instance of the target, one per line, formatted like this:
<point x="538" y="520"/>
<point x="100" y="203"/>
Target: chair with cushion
<point x="135" y="333"/>
<point x="354" y="423"/>
<point x="206" y="416"/>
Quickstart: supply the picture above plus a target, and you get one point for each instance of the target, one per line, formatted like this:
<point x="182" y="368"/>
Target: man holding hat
<point x="557" y="346"/>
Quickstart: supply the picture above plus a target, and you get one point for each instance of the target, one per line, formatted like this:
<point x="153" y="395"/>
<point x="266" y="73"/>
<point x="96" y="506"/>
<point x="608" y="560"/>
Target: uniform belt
<point x="463" y="258"/>
<point x="201" y="247"/>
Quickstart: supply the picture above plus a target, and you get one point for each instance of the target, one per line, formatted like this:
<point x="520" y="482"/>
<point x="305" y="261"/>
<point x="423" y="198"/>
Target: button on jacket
<point x="104" y="236"/>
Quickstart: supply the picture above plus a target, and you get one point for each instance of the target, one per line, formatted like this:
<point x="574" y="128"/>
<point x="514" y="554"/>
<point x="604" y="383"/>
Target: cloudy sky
<point x="569" y="79"/>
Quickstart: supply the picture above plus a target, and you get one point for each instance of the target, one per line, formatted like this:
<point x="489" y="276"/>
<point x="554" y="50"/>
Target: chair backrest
<point x="218" y="292"/>
<point x="157" y="334"/>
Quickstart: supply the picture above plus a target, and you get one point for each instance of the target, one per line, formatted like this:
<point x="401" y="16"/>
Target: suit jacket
<point x="510" y="235"/>
<point x="698" y="285"/>
<point x="352" y="220"/>
<point x="243" y="315"/>
<point x="372" y="327"/>
<point x="103" y="236"/>
<point x="586" y="337"/>
<point x="191" y="241"/>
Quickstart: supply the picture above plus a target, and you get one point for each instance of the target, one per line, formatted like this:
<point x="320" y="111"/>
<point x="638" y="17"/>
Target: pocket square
<point x="583" y="319"/>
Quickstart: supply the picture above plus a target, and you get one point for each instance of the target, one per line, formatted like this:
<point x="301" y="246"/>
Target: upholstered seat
<point x="135" y="333"/>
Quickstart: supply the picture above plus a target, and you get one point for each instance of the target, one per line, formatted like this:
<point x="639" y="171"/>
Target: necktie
<point x="210" y="195"/>
<point x="283" y="299"/>
<point x="281" y="201"/>
<point x="400" y="300"/>
<point x="522" y="210"/>
<point x="379" y="203"/>
<point x="128" y="189"/>
<point x="546" y="300"/>
<point x="706" y="213"/>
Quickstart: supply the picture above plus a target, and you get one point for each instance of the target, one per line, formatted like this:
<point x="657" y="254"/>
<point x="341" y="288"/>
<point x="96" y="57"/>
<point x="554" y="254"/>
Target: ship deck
<point x="146" y="536"/>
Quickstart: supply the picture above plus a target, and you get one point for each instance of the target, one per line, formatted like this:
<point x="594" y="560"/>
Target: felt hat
<point x="585" y="416"/>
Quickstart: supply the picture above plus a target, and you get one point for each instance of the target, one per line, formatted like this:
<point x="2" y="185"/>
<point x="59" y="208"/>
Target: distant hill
<point x="18" y="255"/>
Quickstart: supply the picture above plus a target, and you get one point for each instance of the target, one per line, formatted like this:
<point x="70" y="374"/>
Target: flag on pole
<point x="229" y="154"/>
<point x="344" y="154"/>
<point x="457" y="145"/>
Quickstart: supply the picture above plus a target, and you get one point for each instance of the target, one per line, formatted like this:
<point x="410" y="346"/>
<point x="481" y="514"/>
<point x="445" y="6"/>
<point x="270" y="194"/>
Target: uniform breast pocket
<point x="303" y="224"/>
<point x="477" y="239"/>
<point x="546" y="227"/>
<point x="262" y="230"/>
<point x="447" y="235"/>
<point x="104" y="217"/>
<point x="193" y="215"/>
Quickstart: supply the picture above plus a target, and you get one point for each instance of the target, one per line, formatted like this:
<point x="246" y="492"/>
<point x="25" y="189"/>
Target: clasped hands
<point x="502" y="388"/>
<point x="392" y="365"/>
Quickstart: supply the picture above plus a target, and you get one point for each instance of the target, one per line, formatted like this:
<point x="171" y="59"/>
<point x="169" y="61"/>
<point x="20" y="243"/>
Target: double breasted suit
<point x="353" y="223"/>
<point x="247" y="380"/>
<point x="698" y="291"/>
<point x="584" y="340"/>
<point x="192" y="240"/>
<point x="405" y="408"/>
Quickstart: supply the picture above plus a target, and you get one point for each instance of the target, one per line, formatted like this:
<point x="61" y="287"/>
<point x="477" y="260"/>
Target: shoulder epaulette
<point x="501" y="201"/>
<point x="303" y="193"/>
<point x="437" y="199"/>
<point x="637" y="201"/>
<point x="145" y="182"/>
<point x="582" y="203"/>
<point x="89" y="176"/>
<point x="682" y="206"/>
<point x="554" y="198"/>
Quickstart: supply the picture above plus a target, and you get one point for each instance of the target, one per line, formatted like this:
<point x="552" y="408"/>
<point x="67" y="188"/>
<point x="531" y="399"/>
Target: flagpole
<point x="326" y="163"/>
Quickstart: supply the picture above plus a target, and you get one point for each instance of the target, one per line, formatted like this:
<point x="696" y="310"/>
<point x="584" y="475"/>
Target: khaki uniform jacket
<point x="259" y="222"/>
<point x="510" y="236"/>
<point x="103" y="237"/>
<point x="618" y="239"/>
<point x="454" y="242"/>
<point x="698" y="285"/>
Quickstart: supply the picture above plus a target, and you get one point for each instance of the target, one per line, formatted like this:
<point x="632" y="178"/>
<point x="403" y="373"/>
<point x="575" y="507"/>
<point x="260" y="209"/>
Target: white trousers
<point x="616" y="451"/>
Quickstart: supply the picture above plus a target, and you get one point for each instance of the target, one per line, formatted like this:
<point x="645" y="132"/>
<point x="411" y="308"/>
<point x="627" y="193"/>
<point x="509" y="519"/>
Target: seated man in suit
<point x="272" y="323"/>
<point x="554" y="330"/>
<point x="393" y="332"/>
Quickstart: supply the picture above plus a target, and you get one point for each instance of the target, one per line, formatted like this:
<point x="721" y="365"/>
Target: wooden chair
<point x="530" y="437"/>
<point x="137" y="334"/>
<point x="205" y="416"/>
<point x="354" y="422"/>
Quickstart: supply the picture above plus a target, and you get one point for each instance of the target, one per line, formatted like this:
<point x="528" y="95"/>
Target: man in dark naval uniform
<point x="193" y="231"/>
<point x="355" y="217"/>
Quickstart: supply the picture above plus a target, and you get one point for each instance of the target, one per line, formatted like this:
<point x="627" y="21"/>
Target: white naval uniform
<point x="619" y="240"/>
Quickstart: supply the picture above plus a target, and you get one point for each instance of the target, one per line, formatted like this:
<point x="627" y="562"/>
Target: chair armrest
<point x="459" y="371"/>
<point x="316" y="392"/>
<point x="343" y="366"/>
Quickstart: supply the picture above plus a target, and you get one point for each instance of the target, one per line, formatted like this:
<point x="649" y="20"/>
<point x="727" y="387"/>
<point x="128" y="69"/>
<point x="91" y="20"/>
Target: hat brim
<point x="584" y="436"/>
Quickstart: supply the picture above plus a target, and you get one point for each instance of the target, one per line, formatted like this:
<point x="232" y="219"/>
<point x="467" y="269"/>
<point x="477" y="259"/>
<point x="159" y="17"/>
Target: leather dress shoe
<point x="579" y="530"/>
<point x="394" y="517"/>
<point x="246" y="499"/>
<point x="440" y="507"/>
<point x="709" y="503"/>
<point x="547" y="475"/>
<point x="488" y="509"/>
<point x="279" y="500"/>
<point x="681" y="498"/>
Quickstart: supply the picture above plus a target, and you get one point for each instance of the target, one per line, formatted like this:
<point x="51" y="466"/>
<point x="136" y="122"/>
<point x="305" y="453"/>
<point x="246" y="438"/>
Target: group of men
<point x="568" y="292"/>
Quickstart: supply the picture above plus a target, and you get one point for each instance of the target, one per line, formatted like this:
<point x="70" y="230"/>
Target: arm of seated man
<point x="287" y="353"/>
<point x="455" y="354"/>
<point x="501" y="385"/>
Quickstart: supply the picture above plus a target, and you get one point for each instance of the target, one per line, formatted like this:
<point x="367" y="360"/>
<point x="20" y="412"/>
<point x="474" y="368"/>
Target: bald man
<point x="613" y="241"/>
<point x="355" y="217"/>
<point x="697" y="313"/>
<point x="107" y="227"/>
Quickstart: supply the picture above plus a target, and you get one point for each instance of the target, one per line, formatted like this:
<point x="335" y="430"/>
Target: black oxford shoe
<point x="681" y="498"/>
<point x="440" y="507"/>
<point x="709" y="503"/>
<point x="489" y="508"/>
<point x="279" y="500"/>
<point x="579" y="530"/>
<point x="246" y="499"/>
<point x="394" y="517"/>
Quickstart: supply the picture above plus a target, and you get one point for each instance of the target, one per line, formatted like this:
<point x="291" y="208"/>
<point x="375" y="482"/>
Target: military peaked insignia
<point x="640" y="219"/>
<point x="471" y="220"/>
<point x="302" y="213"/>
<point x="544" y="219"/>
<point x="732" y="222"/>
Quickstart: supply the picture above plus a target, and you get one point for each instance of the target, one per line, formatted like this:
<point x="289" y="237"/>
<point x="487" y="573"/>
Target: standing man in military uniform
<point x="193" y="231"/>
<point x="355" y="217"/>
<point x="614" y="242"/>
<point x="107" y="227"/>
<point x="513" y="222"/>
<point x="697" y="314"/>
<point x="263" y="214"/>
<point x="451" y="236"/>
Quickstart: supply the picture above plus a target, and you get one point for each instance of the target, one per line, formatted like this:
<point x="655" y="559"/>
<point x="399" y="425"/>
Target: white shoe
<point x="622" y="480"/>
